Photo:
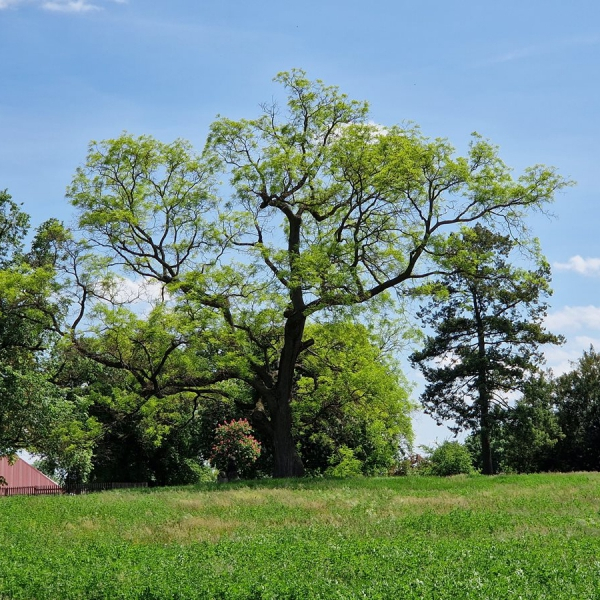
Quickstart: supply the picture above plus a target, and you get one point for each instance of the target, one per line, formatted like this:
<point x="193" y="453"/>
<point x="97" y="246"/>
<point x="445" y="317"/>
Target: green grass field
<point x="504" y="537"/>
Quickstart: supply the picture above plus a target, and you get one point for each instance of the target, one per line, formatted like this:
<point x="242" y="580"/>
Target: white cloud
<point x="574" y="318"/>
<point x="562" y="358"/>
<point x="72" y="6"/>
<point x="133" y="292"/>
<point x="590" y="267"/>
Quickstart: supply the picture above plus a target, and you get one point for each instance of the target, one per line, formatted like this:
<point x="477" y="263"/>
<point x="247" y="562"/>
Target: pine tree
<point x="486" y="318"/>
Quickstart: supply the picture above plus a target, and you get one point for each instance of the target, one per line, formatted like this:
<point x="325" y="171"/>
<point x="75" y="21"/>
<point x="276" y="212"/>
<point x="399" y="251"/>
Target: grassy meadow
<point x="503" y="537"/>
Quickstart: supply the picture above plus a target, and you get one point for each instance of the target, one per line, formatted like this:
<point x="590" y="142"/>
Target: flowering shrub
<point x="235" y="444"/>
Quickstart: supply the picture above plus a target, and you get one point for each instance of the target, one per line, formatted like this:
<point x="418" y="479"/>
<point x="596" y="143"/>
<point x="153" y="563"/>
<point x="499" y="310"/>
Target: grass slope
<point x="503" y="537"/>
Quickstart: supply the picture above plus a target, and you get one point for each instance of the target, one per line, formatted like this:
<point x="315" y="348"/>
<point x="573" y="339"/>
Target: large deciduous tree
<point x="487" y="324"/>
<point x="324" y="211"/>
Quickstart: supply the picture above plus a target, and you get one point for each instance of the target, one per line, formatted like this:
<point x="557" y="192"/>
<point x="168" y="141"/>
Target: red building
<point x="21" y="475"/>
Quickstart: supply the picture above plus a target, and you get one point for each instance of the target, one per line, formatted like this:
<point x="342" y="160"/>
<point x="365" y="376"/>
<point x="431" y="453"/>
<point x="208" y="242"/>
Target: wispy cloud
<point x="65" y="6"/>
<point x="75" y="6"/>
<point x="581" y="325"/>
<point x="9" y="3"/>
<point x="541" y="49"/>
<point x="562" y="358"/>
<point x="574" y="318"/>
<point x="516" y="54"/>
<point x="589" y="267"/>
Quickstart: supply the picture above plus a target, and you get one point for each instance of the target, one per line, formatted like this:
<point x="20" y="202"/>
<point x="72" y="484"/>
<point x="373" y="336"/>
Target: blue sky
<point x="524" y="74"/>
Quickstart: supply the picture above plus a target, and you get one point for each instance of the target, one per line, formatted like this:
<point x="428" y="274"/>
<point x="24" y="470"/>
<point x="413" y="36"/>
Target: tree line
<point x="268" y="277"/>
<point x="553" y="426"/>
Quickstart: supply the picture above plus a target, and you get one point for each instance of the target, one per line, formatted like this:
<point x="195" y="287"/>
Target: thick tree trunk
<point x="287" y="460"/>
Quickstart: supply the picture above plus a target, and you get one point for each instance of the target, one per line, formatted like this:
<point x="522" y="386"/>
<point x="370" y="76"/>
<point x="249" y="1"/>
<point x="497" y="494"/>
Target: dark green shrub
<point x="449" y="458"/>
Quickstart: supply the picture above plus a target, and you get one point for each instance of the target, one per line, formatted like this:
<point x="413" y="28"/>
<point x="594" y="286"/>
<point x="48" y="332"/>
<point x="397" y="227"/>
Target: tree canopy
<point x="35" y="414"/>
<point x="576" y="399"/>
<point x="324" y="214"/>
<point x="351" y="393"/>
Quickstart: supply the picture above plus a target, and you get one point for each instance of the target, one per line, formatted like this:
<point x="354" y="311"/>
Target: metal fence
<point x="83" y="488"/>
<point x="46" y="490"/>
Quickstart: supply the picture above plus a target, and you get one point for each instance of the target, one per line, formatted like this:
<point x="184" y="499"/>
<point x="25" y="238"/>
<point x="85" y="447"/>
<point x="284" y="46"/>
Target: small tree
<point x="449" y="458"/>
<point x="235" y="449"/>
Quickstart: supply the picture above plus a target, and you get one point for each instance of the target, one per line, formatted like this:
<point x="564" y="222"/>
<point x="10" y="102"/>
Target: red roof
<point x="22" y="474"/>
